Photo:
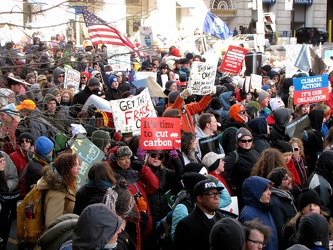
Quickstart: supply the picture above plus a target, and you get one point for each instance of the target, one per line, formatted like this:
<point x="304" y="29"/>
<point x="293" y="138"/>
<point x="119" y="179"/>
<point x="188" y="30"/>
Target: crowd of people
<point x="233" y="143"/>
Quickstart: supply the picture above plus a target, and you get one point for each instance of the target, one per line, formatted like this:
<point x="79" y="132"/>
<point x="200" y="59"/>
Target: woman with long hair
<point x="188" y="146"/>
<point x="269" y="159"/>
<point x="59" y="183"/>
<point x="100" y="178"/>
<point x="299" y="159"/>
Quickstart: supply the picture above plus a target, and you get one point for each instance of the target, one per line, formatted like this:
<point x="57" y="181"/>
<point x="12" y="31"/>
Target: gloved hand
<point x="186" y="93"/>
<point x="141" y="153"/>
<point x="137" y="164"/>
<point x="173" y="154"/>
<point x="141" y="204"/>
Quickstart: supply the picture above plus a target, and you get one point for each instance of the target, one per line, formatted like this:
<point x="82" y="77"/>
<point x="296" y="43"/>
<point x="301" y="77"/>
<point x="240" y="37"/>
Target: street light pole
<point x="260" y="27"/>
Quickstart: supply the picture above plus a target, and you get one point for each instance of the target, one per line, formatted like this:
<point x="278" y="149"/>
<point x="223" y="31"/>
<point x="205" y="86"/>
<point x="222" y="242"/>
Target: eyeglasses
<point x="245" y="141"/>
<point x="25" y="140"/>
<point x="212" y="194"/>
<point x="98" y="76"/>
<point x="257" y="242"/>
<point x="159" y="156"/>
<point x="296" y="149"/>
<point x="61" y="76"/>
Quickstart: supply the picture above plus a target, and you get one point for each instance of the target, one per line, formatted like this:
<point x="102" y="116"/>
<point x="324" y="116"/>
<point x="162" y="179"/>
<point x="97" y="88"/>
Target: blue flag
<point x="216" y="27"/>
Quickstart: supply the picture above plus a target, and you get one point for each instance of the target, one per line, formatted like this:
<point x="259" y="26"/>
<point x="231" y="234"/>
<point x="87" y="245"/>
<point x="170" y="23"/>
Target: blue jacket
<point x="253" y="188"/>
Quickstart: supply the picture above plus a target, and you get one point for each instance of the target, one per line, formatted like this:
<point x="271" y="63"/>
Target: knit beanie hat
<point x="94" y="82"/>
<point x="241" y="132"/>
<point x="283" y="146"/>
<point x="95" y="227"/>
<point x="190" y="179"/>
<point x="173" y="96"/>
<point x="43" y="145"/>
<point x="262" y="95"/>
<point x="10" y="110"/>
<point x="311" y="231"/>
<point x="326" y="109"/>
<point x="277" y="175"/>
<point x="54" y="91"/>
<point x="100" y="138"/>
<point x="194" y="167"/>
<point x="308" y="196"/>
<point x="168" y="84"/>
<point x="123" y="151"/>
<point x="26" y="136"/>
<point x="228" y="233"/>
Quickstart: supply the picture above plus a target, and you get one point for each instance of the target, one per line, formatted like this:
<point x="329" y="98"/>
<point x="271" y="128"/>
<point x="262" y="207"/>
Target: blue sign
<point x="269" y="1"/>
<point x="312" y="82"/>
<point x="308" y="2"/>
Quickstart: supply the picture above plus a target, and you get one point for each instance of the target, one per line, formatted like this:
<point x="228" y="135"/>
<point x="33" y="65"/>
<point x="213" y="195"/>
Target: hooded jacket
<point x="224" y="98"/>
<point x="258" y="127"/>
<point x="61" y="118"/>
<point x="282" y="117"/>
<point x="58" y="198"/>
<point x="56" y="73"/>
<point x="313" y="139"/>
<point x="321" y="180"/>
<point x="253" y="188"/>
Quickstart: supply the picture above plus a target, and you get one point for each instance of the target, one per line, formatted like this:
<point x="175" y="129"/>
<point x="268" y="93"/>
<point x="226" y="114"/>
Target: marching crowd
<point x="233" y="144"/>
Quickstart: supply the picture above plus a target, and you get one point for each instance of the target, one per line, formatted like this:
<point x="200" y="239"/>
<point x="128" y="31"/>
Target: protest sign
<point x="144" y="75"/>
<point x="292" y="52"/>
<point x="120" y="59"/>
<point x="256" y="81"/>
<point x="209" y="144"/>
<point x="161" y="133"/>
<point x="233" y="59"/>
<point x="146" y="36"/>
<point x="72" y="77"/>
<point x="98" y="102"/>
<point x="295" y="127"/>
<point x="88" y="154"/>
<point x="128" y="112"/>
<point x="310" y="89"/>
<point x="202" y="77"/>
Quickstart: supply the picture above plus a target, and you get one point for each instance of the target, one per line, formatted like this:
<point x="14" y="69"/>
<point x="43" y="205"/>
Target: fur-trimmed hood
<point x="51" y="179"/>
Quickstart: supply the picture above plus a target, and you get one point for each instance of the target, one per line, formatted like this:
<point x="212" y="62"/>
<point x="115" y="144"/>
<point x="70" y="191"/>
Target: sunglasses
<point x="296" y="149"/>
<point x="83" y="77"/>
<point x="98" y="76"/>
<point x="158" y="156"/>
<point x="242" y="113"/>
<point x="25" y="140"/>
<point x="245" y="141"/>
<point x="61" y="76"/>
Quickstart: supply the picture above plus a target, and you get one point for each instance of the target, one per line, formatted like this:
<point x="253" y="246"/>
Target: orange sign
<point x="160" y="133"/>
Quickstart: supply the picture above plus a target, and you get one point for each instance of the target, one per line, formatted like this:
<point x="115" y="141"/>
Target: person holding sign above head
<point x="189" y="109"/>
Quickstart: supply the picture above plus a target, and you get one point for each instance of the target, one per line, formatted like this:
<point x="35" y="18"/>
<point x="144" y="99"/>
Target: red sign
<point x="160" y="133"/>
<point x="311" y="96"/>
<point x="233" y="59"/>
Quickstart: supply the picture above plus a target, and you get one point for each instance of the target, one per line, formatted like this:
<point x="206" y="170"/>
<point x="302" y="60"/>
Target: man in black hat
<point x="193" y="231"/>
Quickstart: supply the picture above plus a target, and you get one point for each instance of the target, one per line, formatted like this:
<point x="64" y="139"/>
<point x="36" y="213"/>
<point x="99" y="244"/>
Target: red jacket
<point x="20" y="161"/>
<point x="294" y="173"/>
<point x="191" y="109"/>
<point x="222" y="180"/>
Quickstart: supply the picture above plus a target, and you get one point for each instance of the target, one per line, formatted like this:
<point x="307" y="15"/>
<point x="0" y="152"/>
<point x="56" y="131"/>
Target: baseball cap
<point x="203" y="186"/>
<point x="210" y="158"/>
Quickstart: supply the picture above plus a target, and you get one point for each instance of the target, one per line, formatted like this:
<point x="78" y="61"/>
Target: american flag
<point x="101" y="32"/>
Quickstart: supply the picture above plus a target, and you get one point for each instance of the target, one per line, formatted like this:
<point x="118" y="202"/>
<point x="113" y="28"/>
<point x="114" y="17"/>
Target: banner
<point x="292" y="52"/>
<point x="72" y="77"/>
<point x="233" y="59"/>
<point x="119" y="59"/>
<point x="310" y="89"/>
<point x="161" y="133"/>
<point x="202" y="77"/>
<point x="128" y="112"/>
<point x="88" y="154"/>
<point x="144" y="75"/>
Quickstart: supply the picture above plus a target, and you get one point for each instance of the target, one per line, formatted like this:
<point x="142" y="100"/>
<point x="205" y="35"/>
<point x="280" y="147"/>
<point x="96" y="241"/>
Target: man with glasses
<point x="193" y="231"/>
<point x="58" y="77"/>
<point x="257" y="234"/>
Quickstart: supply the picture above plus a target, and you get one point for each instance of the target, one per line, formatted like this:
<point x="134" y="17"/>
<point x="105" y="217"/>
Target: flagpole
<point x="204" y="43"/>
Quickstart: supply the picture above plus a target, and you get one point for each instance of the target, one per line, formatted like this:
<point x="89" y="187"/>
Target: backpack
<point x="30" y="216"/>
